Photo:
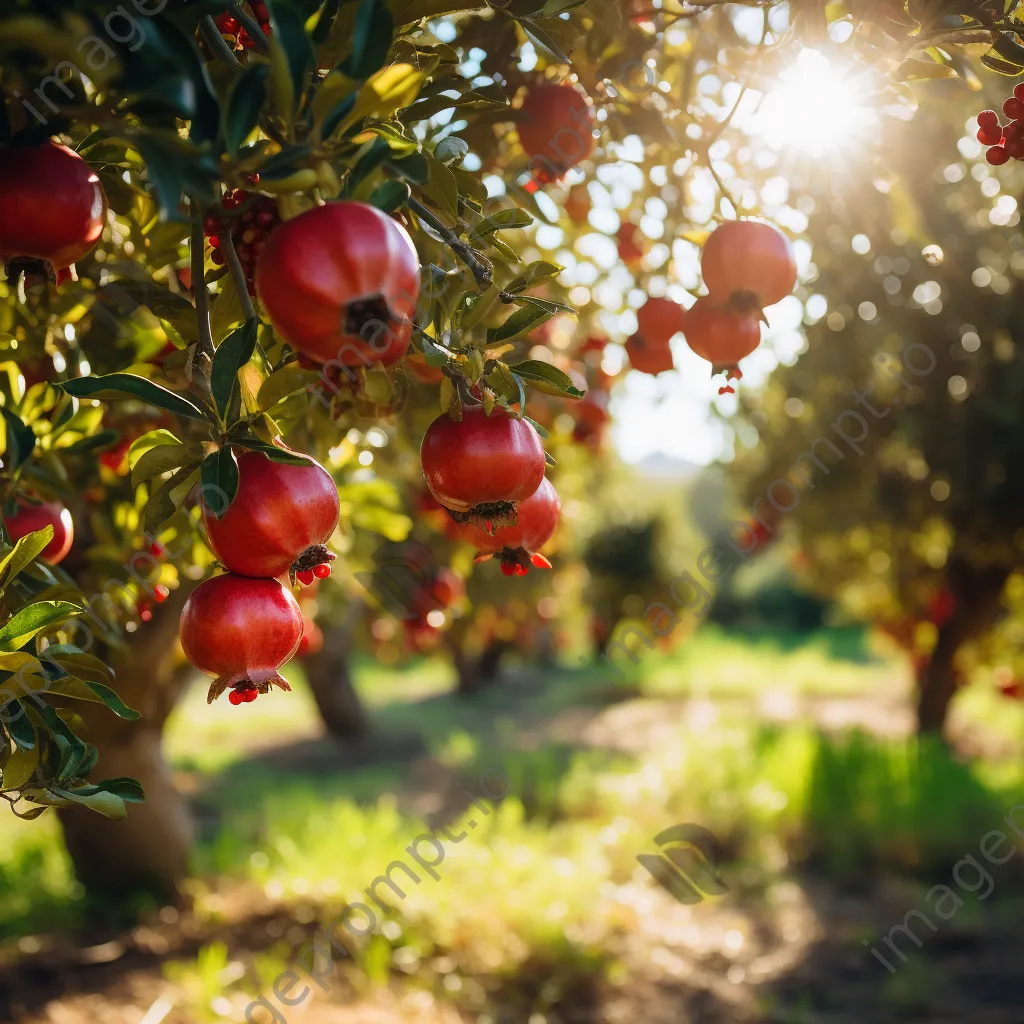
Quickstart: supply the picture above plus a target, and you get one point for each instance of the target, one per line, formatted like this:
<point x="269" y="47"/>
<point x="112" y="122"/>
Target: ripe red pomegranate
<point x="630" y="245"/>
<point x="280" y="519"/>
<point x="52" y="206"/>
<point x="32" y="516"/>
<point x="556" y="128"/>
<point x="658" y="320"/>
<point x="748" y="263"/>
<point x="518" y="545"/>
<point x="577" y="204"/>
<point x="648" y="358"/>
<point x="721" y="335"/>
<point x="241" y="630"/>
<point x="482" y="466"/>
<point x="340" y="284"/>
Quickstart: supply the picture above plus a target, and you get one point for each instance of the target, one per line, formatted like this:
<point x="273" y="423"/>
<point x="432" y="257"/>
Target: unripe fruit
<point x="482" y="465"/>
<point x="31" y="517"/>
<point x="280" y="519"/>
<point x="241" y="630"/>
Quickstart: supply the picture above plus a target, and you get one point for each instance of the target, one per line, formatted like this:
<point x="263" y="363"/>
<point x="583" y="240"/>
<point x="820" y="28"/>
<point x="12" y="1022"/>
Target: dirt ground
<point x="792" y="955"/>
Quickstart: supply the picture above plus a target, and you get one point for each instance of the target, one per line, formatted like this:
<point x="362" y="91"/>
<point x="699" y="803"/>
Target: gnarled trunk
<point x="477" y="673"/>
<point x="150" y="849"/>
<point x="331" y="682"/>
<point x="977" y="592"/>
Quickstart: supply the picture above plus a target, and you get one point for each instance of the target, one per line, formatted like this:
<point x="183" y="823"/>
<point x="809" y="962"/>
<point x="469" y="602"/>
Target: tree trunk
<point x="150" y="849"/>
<point x="331" y="682"/>
<point x="476" y="673"/>
<point x="978" y="593"/>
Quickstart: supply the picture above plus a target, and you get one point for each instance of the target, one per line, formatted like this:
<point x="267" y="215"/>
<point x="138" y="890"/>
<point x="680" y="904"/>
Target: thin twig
<point x="483" y="273"/>
<point x="204" y="350"/>
<point x="215" y="41"/>
<point x="251" y="26"/>
<point x="227" y="246"/>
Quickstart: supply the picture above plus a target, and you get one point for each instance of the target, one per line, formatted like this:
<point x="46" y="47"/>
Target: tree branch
<point x="204" y="347"/>
<point x="483" y="273"/>
<point x="227" y="246"/>
<point x="215" y="41"/>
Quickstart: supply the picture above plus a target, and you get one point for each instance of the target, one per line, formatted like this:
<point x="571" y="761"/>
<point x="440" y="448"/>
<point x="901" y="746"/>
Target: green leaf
<point x="273" y="452"/>
<point x="391" y="196"/>
<point x="164" y="502"/>
<point x="539" y="271"/>
<point x="77" y="663"/>
<point x="504" y="220"/>
<point x="113" y="386"/>
<point x="151" y="439"/>
<point x="103" y="439"/>
<point x="20" y="767"/>
<point x="219" y="475"/>
<point x="289" y="32"/>
<point x="30" y="620"/>
<point x="1009" y="48"/>
<point x="129" y="790"/>
<point x="161" y="459"/>
<point x="108" y="804"/>
<point x="371" y="40"/>
<point x="234" y="352"/>
<point x="20" y="440"/>
<point x="1002" y="67"/>
<point x="434" y="354"/>
<point x="520" y="322"/>
<point x="284" y="382"/>
<point x="69" y="686"/>
<point x="547" y="378"/>
<point x="451" y="150"/>
<point x="24" y="552"/>
<point x="244" y="106"/>
<point x="442" y="187"/>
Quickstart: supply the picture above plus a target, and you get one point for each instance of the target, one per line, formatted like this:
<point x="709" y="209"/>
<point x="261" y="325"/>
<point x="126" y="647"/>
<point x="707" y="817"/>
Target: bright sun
<point x="819" y="106"/>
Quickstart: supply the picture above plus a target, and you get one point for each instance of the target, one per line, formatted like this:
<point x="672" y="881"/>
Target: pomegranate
<point x="577" y="204"/>
<point x="32" y="515"/>
<point x="340" y="284"/>
<point x="658" y="320"/>
<point x="518" y="545"/>
<point x="556" y="128"/>
<point x="722" y="336"/>
<point x="481" y="466"/>
<point x="52" y="206"/>
<point x="241" y="630"/>
<point x="648" y="358"/>
<point x="280" y="519"/>
<point x="630" y="245"/>
<point x="748" y="263"/>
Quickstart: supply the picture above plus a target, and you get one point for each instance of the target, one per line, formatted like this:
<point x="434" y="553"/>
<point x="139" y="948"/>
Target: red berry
<point x="211" y="225"/>
<point x="988" y="117"/>
<point x="236" y="697"/>
<point x="997" y="155"/>
<point x="157" y="550"/>
<point x="1013" y="108"/>
<point x="261" y="12"/>
<point x="160" y="593"/>
<point x="253" y="179"/>
<point x="990" y="136"/>
<point x="1015" y="147"/>
<point x="214" y="241"/>
<point x="244" y="40"/>
<point x="1018" y="91"/>
<point x="217" y="257"/>
<point x="305" y="577"/>
<point x="322" y="571"/>
<point x="509" y="568"/>
<point x="265" y="218"/>
<point x="250" y="694"/>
